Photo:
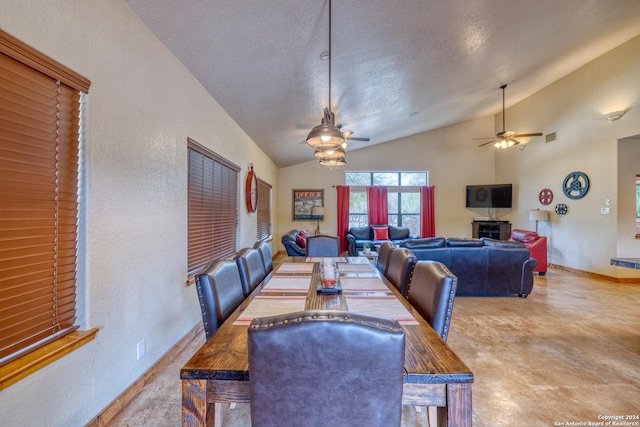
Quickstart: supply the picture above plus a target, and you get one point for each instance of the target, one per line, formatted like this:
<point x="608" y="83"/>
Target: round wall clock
<point x="251" y="192"/>
<point x="575" y="185"/>
<point x="545" y="196"/>
<point x="561" y="209"/>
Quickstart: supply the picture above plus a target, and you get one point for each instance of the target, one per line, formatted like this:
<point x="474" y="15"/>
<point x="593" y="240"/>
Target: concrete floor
<point x="568" y="353"/>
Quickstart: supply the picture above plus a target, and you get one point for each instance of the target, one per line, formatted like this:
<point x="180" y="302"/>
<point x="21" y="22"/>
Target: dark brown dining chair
<point x="267" y="259"/>
<point x="401" y="262"/>
<point x="325" y="368"/>
<point x="383" y="256"/>
<point x="322" y="245"/>
<point x="251" y="268"/>
<point x="432" y="293"/>
<point x="220" y="292"/>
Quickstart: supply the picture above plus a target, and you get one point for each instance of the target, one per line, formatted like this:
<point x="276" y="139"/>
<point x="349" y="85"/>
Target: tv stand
<point x="498" y="230"/>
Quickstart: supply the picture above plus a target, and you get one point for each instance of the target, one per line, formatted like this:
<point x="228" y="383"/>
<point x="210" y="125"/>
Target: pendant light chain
<point x="329" y="56"/>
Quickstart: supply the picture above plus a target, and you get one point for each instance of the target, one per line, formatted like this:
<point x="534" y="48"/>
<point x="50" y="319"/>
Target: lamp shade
<point x="538" y="215"/>
<point x="325" y="136"/>
<point x="317" y="211"/>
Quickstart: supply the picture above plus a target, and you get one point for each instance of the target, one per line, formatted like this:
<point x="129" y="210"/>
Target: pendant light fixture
<point x="326" y="138"/>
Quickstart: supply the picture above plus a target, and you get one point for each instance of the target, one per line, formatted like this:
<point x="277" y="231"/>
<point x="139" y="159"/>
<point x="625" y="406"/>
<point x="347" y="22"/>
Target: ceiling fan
<point x="347" y="135"/>
<point x="506" y="139"/>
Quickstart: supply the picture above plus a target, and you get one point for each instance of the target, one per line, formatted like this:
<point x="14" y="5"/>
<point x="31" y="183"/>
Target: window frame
<point x="222" y="178"/>
<point x="24" y="359"/>
<point x="263" y="211"/>
<point x="399" y="189"/>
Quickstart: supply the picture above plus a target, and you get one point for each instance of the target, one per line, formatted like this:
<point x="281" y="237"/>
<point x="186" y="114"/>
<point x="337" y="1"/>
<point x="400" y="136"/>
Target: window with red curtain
<point x="343" y="215"/>
<point x="427" y="211"/>
<point x="377" y="207"/>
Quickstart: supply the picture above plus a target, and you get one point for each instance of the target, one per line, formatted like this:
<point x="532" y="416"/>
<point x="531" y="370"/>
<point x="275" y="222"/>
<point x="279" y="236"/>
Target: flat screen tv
<point x="489" y="196"/>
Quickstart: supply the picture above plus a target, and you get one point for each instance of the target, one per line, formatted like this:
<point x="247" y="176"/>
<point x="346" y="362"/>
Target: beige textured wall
<point x="574" y="108"/>
<point x="143" y="104"/>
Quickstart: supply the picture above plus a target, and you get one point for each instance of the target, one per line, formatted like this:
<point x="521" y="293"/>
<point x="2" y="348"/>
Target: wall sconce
<point x="318" y="212"/>
<point x="538" y="215"/>
<point x="614" y="115"/>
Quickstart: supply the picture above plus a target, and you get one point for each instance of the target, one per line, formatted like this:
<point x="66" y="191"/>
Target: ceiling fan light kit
<point x="506" y="139"/>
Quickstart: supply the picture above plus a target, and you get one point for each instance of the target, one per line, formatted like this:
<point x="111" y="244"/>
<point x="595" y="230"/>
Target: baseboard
<point x="596" y="275"/>
<point x="107" y="415"/>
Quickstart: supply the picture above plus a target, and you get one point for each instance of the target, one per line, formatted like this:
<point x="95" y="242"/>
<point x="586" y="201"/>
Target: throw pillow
<point x="380" y="233"/>
<point x="301" y="240"/>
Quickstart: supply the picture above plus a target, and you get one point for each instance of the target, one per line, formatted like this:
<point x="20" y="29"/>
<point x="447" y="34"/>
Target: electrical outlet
<point x="605" y="211"/>
<point x="607" y="202"/>
<point x="142" y="349"/>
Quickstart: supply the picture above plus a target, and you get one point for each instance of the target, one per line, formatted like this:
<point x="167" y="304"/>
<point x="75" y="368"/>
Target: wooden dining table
<point x="218" y="373"/>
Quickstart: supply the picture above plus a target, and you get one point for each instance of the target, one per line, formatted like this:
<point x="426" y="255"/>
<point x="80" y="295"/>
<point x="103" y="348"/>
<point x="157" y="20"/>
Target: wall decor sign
<point x="303" y="201"/>
<point x="575" y="185"/>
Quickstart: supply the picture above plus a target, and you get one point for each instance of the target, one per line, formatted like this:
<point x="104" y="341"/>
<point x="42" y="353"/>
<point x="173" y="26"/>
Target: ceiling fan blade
<point x="489" y="137"/>
<point x="488" y="142"/>
<point x="357" y="139"/>
<point x="515" y="141"/>
<point x="524" y="135"/>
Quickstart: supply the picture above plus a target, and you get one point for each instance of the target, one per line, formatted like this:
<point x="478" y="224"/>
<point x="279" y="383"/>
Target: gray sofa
<point x="483" y="266"/>
<point x="358" y="236"/>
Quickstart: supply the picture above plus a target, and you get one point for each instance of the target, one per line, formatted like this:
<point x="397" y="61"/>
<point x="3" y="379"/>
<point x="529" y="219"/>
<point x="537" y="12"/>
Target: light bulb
<point x="329" y="152"/>
<point x="325" y="138"/>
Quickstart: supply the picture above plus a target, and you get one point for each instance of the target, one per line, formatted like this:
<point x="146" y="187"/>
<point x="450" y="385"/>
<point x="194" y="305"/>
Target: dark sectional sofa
<point x="358" y="236"/>
<point x="483" y="266"/>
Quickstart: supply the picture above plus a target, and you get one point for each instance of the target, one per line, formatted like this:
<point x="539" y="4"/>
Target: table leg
<point x="194" y="403"/>
<point x="458" y="412"/>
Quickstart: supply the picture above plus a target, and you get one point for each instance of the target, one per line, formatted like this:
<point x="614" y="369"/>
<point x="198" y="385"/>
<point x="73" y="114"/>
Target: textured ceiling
<point x="398" y="67"/>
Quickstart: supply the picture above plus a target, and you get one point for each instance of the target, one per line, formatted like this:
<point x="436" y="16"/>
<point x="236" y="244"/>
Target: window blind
<point x="212" y="206"/>
<point x="39" y="158"/>
<point x="264" y="210"/>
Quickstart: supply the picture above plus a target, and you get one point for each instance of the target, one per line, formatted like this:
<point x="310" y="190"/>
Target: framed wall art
<point x="303" y="201"/>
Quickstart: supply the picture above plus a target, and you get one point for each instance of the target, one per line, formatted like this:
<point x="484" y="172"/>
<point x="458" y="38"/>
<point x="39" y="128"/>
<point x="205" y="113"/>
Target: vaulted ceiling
<point x="398" y="67"/>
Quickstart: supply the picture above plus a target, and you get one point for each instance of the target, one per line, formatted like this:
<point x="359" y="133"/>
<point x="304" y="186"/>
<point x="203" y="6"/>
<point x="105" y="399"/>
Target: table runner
<point x="295" y="267"/>
<point x="383" y="306"/>
<point x="287" y="284"/>
<point x="363" y="284"/>
<point x="262" y="306"/>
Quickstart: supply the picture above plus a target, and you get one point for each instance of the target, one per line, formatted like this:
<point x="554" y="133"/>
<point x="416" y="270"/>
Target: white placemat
<point x="363" y="284"/>
<point x="354" y="268"/>
<point x="262" y="306"/>
<point x="287" y="284"/>
<point x="383" y="306"/>
<point x="295" y="267"/>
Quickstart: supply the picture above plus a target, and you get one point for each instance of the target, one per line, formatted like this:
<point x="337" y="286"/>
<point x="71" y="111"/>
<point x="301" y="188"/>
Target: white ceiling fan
<point x="506" y="139"/>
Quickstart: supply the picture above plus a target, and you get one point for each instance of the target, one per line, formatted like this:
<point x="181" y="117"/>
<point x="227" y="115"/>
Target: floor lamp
<point x="538" y="215"/>
<point x="318" y="212"/>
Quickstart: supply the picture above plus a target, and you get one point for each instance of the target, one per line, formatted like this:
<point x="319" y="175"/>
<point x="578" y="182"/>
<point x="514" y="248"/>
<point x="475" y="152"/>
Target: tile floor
<point x="568" y="353"/>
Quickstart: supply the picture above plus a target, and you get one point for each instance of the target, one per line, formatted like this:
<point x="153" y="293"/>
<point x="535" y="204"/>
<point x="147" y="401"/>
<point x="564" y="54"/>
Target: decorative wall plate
<point x="575" y="185"/>
<point x="545" y="196"/>
<point x="561" y="209"/>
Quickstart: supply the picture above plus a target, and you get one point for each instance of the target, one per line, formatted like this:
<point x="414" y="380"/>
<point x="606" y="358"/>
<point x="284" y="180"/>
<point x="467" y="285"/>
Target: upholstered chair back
<point x="220" y="292"/>
<point x="325" y="368"/>
<point x="267" y="259"/>
<point x="251" y="268"/>
<point x="401" y="262"/>
<point x="432" y="293"/>
<point x="321" y="245"/>
<point x="383" y="256"/>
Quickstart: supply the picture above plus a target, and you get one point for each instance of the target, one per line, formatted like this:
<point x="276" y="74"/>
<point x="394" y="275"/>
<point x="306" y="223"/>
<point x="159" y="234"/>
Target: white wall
<point x="450" y="156"/>
<point x="628" y="168"/>
<point x="574" y="107"/>
<point x="143" y="104"/>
